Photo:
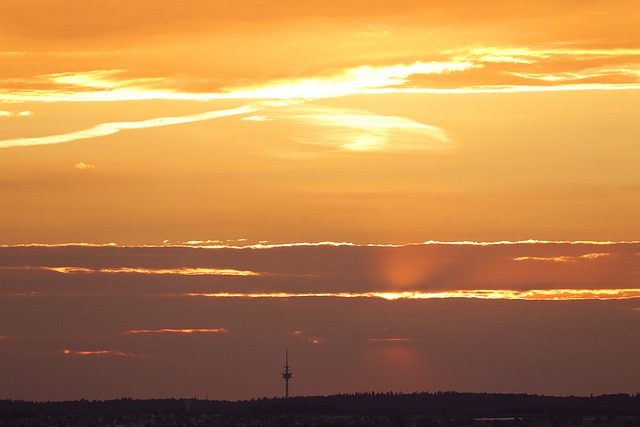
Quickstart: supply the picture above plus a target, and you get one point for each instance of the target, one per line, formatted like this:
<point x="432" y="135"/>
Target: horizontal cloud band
<point x="488" y="294"/>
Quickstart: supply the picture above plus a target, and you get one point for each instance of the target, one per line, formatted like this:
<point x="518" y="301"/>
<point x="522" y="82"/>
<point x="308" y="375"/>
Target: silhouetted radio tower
<point x="286" y="374"/>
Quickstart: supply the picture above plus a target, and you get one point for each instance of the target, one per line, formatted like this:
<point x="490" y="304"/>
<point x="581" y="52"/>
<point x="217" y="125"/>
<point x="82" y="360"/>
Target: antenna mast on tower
<point x="286" y="375"/>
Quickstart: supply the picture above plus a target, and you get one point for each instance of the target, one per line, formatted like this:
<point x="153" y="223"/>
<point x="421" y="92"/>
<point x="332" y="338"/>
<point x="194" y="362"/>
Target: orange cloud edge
<point x="484" y="294"/>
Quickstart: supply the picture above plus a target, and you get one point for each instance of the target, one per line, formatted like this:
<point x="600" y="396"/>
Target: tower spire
<point x="286" y="374"/>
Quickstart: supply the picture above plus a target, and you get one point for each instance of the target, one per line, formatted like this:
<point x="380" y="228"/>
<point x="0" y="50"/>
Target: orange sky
<point x="171" y="125"/>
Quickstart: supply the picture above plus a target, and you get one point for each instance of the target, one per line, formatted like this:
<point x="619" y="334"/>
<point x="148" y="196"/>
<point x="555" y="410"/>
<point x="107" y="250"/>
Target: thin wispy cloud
<point x="113" y="353"/>
<point x="482" y="294"/>
<point x="245" y="244"/>
<point x="179" y="331"/>
<point x="557" y="68"/>
<point x="109" y="85"/>
<point x="256" y="119"/>
<point x="564" y="258"/>
<point x="181" y="271"/>
<point x="391" y="340"/>
<point x="105" y="129"/>
<point x="352" y="130"/>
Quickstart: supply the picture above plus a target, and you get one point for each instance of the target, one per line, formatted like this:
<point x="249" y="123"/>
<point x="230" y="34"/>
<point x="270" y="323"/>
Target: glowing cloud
<point x="498" y="294"/>
<point x="564" y="258"/>
<point x="350" y="81"/>
<point x="84" y="166"/>
<point x="342" y="129"/>
<point x="178" y="331"/>
<point x="105" y="129"/>
<point x="110" y="85"/>
<point x="183" y="271"/>
<point x="256" y="119"/>
<point x="5" y="113"/>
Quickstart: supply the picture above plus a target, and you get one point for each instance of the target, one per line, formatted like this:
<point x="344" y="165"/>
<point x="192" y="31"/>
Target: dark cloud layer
<point x="68" y="335"/>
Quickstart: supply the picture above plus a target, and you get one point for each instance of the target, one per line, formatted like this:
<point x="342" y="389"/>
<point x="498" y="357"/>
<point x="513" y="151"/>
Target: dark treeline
<point x="450" y="404"/>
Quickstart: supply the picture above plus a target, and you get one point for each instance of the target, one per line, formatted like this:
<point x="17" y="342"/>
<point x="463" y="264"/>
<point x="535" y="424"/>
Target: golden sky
<point x="197" y="127"/>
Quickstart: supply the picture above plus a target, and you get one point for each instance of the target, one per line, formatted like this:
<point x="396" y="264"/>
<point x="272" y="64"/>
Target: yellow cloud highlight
<point x="84" y="166"/>
<point x="108" y="85"/>
<point x="344" y="129"/>
<point x="564" y="258"/>
<point x="499" y="294"/>
<point x="349" y="82"/>
<point x="5" y="113"/>
<point x="504" y="88"/>
<point x="105" y="129"/>
<point x="178" y="331"/>
<point x="525" y="54"/>
<point x="245" y="244"/>
<point x="182" y="271"/>
<point x="393" y="340"/>
<point x="553" y="65"/>
<point x="263" y="244"/>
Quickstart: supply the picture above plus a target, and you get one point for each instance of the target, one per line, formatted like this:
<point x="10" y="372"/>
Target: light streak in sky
<point x="105" y="129"/>
<point x="182" y="271"/>
<point x="351" y="81"/>
<point x="244" y="244"/>
<point x="178" y="331"/>
<point x="480" y="294"/>
<point x="564" y="258"/>
<point x="504" y="88"/>
<point x="215" y="244"/>
<point x="99" y="353"/>
<point x="103" y="85"/>
<point x="60" y="245"/>
<point x="528" y="55"/>
<point x="487" y="294"/>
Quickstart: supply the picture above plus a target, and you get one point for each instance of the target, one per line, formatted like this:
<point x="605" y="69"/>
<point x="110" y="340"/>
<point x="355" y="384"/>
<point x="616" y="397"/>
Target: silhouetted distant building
<point x="286" y="375"/>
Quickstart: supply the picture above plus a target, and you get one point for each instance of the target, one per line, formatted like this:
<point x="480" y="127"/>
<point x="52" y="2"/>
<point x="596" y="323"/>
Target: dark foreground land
<point x="365" y="409"/>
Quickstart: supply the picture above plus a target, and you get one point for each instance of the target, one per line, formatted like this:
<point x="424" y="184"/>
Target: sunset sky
<point x="409" y="195"/>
